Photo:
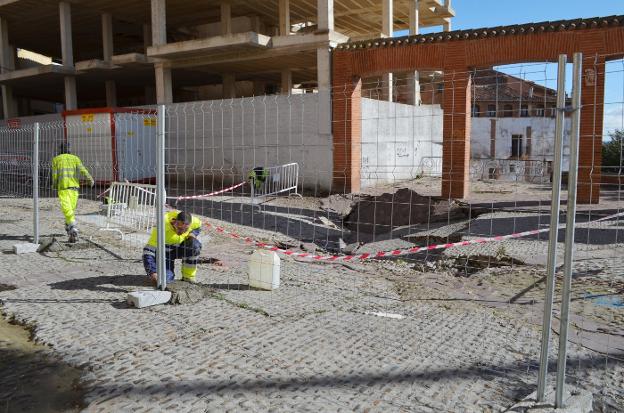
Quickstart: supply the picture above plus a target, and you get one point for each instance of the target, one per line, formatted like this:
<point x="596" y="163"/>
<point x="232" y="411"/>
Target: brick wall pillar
<point x="456" y="134"/>
<point x="590" y="139"/>
<point x="347" y="135"/>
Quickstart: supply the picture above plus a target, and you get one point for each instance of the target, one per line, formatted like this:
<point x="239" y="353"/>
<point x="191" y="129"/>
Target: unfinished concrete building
<point x="135" y="52"/>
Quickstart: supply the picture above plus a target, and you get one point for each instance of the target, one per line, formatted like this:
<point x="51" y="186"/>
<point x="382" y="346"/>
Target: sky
<point x="473" y="14"/>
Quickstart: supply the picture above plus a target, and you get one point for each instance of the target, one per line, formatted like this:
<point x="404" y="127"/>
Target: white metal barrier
<point x="274" y="180"/>
<point x="130" y="206"/>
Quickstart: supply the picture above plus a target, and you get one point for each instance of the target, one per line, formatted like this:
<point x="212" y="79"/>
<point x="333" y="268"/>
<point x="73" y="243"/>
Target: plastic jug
<point x="264" y="270"/>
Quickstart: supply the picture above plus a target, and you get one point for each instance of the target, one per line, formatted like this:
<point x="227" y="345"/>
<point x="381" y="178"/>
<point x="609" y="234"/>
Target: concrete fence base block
<point x="25" y="248"/>
<point x="574" y="401"/>
<point x="146" y="298"/>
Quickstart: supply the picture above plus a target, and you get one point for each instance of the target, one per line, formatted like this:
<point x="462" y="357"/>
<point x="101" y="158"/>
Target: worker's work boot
<point x="73" y="235"/>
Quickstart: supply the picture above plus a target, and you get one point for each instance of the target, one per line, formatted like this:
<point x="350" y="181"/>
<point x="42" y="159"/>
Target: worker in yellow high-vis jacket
<point x="181" y="232"/>
<point x="66" y="172"/>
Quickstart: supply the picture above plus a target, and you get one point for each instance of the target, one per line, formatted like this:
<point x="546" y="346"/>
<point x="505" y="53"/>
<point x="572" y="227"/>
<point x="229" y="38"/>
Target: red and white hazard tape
<point x="380" y="254"/>
<point x="182" y="198"/>
<point x="393" y="253"/>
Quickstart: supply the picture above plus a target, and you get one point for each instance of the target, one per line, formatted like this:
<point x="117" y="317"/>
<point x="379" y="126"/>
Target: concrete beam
<point x="229" y="86"/>
<point x="107" y="36"/>
<point x="94" y="64"/>
<point x="307" y="41"/>
<point x="111" y="94"/>
<point x="164" y="87"/>
<point x="130" y="59"/>
<point x="67" y="50"/>
<point x="200" y="47"/>
<point x="287" y="82"/>
<point x="226" y="18"/>
<point x="284" y="17"/>
<point x="23" y="74"/>
<point x="325" y="15"/>
<point x="159" y="22"/>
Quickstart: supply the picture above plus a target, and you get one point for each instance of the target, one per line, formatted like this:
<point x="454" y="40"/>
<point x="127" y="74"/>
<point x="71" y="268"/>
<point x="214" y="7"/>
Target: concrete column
<point x="7" y="64"/>
<point x="164" y="89"/>
<point x="287" y="83"/>
<point x="325" y="18"/>
<point x="387" y="29"/>
<point x="447" y="27"/>
<point x="284" y="17"/>
<point x="71" y="98"/>
<point x="159" y="22"/>
<point x="413" y="81"/>
<point x="107" y="36"/>
<point x="108" y="51"/>
<point x="111" y="94"/>
<point x="229" y="86"/>
<point x="226" y="18"/>
<point x="67" y="52"/>
<point x="323" y="68"/>
<point x="456" y="134"/>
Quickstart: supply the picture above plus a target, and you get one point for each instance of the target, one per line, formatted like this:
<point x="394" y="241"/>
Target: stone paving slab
<point x="312" y="345"/>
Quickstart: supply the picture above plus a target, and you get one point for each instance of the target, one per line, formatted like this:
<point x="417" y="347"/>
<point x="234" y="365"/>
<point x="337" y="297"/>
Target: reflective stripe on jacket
<point x="66" y="171"/>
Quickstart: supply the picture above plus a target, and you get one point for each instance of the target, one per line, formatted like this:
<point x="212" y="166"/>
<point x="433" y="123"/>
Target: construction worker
<point x="181" y="231"/>
<point x="66" y="172"/>
<point x="258" y="177"/>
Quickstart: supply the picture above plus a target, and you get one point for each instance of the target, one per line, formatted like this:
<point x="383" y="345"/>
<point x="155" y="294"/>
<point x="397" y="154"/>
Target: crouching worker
<point x="181" y="231"/>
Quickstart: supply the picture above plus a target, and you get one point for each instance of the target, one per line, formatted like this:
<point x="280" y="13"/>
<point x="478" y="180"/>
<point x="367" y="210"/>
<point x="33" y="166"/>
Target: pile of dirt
<point x="386" y="212"/>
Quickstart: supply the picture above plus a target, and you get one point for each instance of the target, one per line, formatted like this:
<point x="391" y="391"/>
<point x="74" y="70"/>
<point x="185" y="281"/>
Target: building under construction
<point x="94" y="53"/>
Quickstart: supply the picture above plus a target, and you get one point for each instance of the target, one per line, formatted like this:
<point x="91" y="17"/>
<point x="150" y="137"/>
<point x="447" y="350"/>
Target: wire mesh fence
<point x="387" y="265"/>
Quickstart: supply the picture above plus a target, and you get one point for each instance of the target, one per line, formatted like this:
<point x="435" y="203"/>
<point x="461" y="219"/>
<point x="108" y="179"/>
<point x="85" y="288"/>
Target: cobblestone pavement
<point x="322" y="342"/>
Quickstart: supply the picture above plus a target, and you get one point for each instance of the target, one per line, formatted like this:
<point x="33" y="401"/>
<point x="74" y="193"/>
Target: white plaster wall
<point x="399" y="142"/>
<point x="218" y="142"/>
<point x="542" y="145"/>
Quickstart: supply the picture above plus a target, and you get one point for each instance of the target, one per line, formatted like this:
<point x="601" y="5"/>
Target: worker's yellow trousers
<point x="69" y="201"/>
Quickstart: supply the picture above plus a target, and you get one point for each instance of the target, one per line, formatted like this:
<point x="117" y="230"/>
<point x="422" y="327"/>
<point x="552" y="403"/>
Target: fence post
<point x="35" y="183"/>
<point x="570" y="224"/>
<point x="160" y="199"/>
<point x="554" y="229"/>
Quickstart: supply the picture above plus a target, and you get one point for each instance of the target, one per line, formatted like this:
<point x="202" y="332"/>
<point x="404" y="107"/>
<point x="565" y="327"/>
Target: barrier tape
<point x="182" y="198"/>
<point x="381" y="254"/>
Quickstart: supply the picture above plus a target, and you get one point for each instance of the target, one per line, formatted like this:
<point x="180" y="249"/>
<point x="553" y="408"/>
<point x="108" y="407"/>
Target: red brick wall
<point x="460" y="56"/>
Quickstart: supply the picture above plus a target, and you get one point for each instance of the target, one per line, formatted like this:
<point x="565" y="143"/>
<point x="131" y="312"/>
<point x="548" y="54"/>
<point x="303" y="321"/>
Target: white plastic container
<point x="264" y="270"/>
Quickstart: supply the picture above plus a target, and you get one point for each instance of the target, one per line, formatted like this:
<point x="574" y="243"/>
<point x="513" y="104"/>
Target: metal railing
<point x="130" y="206"/>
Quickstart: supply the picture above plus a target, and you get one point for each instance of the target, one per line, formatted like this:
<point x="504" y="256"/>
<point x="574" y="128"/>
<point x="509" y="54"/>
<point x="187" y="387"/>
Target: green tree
<point x="612" y="151"/>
